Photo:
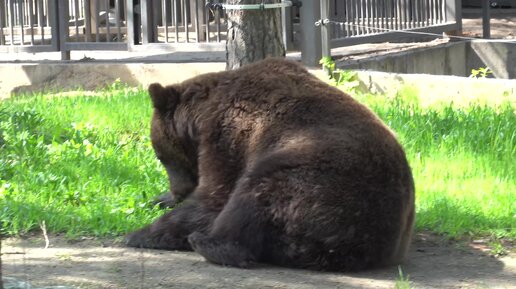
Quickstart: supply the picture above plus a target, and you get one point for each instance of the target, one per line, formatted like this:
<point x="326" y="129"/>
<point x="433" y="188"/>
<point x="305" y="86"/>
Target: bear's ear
<point x="163" y="98"/>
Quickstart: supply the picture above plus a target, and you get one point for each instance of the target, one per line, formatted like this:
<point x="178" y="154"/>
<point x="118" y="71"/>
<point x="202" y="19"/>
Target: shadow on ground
<point x="107" y="264"/>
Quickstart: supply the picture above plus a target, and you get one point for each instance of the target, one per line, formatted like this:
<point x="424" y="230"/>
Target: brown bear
<point x="275" y="166"/>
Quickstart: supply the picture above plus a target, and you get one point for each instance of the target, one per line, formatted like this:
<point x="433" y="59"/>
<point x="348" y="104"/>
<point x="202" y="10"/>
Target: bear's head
<point x="173" y="139"/>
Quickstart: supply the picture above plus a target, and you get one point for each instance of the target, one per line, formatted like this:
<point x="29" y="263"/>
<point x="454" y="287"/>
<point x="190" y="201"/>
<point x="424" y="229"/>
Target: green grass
<point x="463" y="158"/>
<point x="85" y="166"/>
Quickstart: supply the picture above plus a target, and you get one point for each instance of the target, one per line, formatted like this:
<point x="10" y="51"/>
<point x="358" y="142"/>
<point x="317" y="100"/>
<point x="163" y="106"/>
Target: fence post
<point x="54" y="24"/>
<point x="286" y="22"/>
<point x="486" y="18"/>
<point x="310" y="34"/>
<point x="454" y="13"/>
<point x="63" y="16"/>
<point x="130" y="24"/>
<point x="146" y="14"/>
<point x="325" y="28"/>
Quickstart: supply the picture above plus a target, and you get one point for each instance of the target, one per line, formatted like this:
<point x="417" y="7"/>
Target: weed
<point x="481" y="72"/>
<point x="402" y="282"/>
<point x="345" y="79"/>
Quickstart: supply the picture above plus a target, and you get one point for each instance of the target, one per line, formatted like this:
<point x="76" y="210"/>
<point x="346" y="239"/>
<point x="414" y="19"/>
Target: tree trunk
<point x="253" y="34"/>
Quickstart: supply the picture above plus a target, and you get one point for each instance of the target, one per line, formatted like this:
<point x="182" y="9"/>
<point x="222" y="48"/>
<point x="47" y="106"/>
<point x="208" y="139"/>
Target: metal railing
<point x="67" y="25"/>
<point x="362" y="17"/>
<point x="28" y="25"/>
<point x="351" y="22"/>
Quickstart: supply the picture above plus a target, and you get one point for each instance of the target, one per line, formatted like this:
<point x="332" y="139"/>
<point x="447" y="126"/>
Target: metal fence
<point x="361" y="17"/>
<point x="29" y="24"/>
<point x="67" y="25"/>
<point x="360" y="21"/>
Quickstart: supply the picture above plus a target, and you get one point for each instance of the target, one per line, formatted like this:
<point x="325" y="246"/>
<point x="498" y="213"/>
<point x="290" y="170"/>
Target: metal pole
<point x="63" y="16"/>
<point x="325" y="28"/>
<point x="486" y="18"/>
<point x="286" y="22"/>
<point x="310" y="34"/>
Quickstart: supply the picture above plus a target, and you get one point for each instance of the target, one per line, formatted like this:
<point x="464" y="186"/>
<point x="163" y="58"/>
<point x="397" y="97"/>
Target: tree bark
<point x="253" y="34"/>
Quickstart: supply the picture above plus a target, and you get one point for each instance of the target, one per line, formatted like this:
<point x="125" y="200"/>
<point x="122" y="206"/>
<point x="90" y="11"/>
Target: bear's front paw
<point x="137" y="239"/>
<point x="219" y="251"/>
<point x="165" y="200"/>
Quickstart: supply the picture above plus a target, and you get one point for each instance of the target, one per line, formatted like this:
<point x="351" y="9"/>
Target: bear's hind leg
<point x="237" y="234"/>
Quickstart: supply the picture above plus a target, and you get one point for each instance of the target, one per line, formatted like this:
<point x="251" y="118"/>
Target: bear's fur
<point x="276" y="166"/>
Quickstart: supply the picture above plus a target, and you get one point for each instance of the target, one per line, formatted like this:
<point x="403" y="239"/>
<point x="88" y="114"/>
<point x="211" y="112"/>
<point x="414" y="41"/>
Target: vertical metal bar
<point x="118" y="24"/>
<point x="427" y="12"/>
<point x="353" y="16"/>
<point x="53" y="14"/>
<point x="63" y="16"/>
<point x="286" y="23"/>
<point x="379" y="13"/>
<point x="207" y="14"/>
<point x="164" y="18"/>
<point x="196" y="20"/>
<point x="373" y="15"/>
<point x="76" y="11"/>
<point x="417" y="10"/>
<point x="388" y="14"/>
<point x="397" y="12"/>
<point x="182" y="12"/>
<point x="144" y="13"/>
<point x="22" y="24"/>
<point x="2" y="20"/>
<point x="432" y="12"/>
<point x="367" y="15"/>
<point x="31" y="21"/>
<point x="131" y="39"/>
<point x="362" y="17"/>
<point x="108" y="32"/>
<point x="176" y="21"/>
<point x="486" y="18"/>
<point x="217" y="21"/>
<point x="11" y="20"/>
<point x="403" y="14"/>
<point x="47" y="13"/>
<point x="443" y="11"/>
<point x="325" y="29"/>
<point x="97" y="20"/>
<point x="346" y="18"/>
<point x="87" y="20"/>
<point x="41" y="21"/>
<point x="356" y="17"/>
<point x="147" y="22"/>
<point x="311" y="35"/>
<point x="407" y="15"/>
<point x="393" y="15"/>
<point x="185" y="21"/>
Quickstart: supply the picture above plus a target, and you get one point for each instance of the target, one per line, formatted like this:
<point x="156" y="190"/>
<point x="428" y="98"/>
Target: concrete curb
<point x="17" y="78"/>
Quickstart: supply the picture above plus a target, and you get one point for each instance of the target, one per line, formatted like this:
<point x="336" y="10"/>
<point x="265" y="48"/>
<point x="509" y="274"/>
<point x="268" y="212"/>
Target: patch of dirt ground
<point x="94" y="263"/>
<point x="502" y="23"/>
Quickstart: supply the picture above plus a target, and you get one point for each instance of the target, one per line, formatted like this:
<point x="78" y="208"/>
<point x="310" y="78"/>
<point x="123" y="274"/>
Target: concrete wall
<point x="456" y="58"/>
<point x="63" y="77"/>
<point x="500" y="56"/>
<point x="16" y="78"/>
<point x="440" y="88"/>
